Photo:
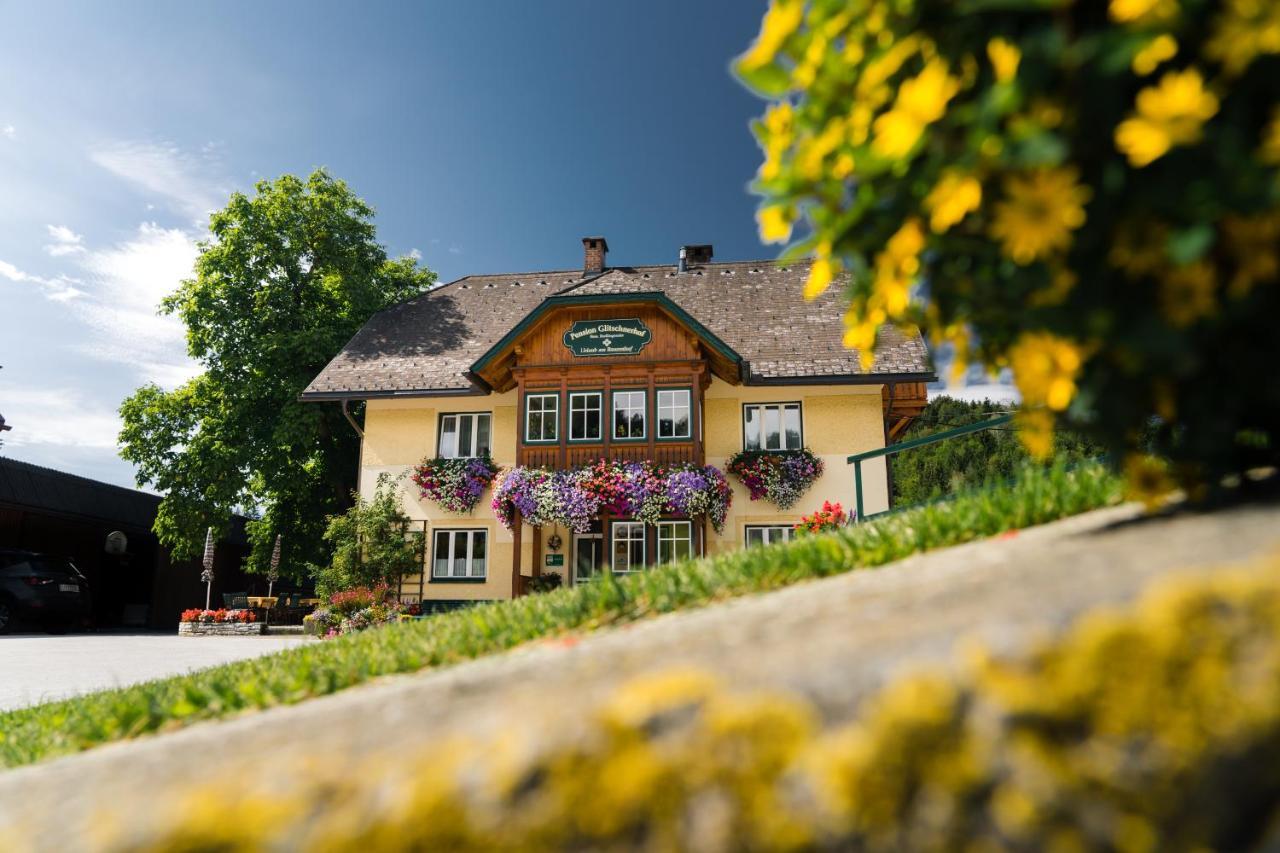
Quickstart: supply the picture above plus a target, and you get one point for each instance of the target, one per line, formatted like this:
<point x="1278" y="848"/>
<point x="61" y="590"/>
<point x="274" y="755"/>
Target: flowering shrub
<point x="1085" y="193"/>
<point x="197" y="614"/>
<point x="575" y="497"/>
<point x="779" y="476"/>
<point x="454" y="484"/>
<point x="831" y="517"/>
<point x="355" y="610"/>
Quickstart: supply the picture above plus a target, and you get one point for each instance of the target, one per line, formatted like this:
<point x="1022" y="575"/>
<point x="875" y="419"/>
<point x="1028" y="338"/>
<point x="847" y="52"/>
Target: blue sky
<point x="489" y="137"/>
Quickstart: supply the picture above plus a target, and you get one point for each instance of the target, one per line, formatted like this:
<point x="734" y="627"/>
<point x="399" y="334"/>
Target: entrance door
<point x="588" y="556"/>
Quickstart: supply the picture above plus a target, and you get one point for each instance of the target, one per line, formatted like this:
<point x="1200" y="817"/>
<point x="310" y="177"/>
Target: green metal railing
<point x="857" y="459"/>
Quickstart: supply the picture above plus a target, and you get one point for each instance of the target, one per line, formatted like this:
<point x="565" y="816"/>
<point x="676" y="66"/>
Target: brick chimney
<point x="593" y="251"/>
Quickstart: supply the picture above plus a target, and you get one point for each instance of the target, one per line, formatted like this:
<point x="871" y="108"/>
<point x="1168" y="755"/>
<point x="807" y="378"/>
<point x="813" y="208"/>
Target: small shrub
<point x="371" y="543"/>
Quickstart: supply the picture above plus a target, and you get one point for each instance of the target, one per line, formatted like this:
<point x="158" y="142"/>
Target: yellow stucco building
<point x="682" y="365"/>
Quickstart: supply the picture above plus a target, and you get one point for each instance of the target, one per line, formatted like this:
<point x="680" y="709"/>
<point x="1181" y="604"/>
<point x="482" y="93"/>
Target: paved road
<point x="830" y="641"/>
<point x="38" y="667"/>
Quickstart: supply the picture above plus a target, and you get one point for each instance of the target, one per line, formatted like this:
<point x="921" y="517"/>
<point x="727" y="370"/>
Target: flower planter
<point x="220" y="629"/>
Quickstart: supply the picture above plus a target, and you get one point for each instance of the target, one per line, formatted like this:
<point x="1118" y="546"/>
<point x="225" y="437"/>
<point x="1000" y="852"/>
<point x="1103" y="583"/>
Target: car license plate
<point x="68" y="587"/>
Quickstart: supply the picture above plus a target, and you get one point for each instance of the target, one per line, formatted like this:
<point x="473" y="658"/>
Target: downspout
<point x="346" y="413"/>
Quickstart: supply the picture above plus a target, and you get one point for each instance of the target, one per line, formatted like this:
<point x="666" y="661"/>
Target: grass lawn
<point x="43" y="731"/>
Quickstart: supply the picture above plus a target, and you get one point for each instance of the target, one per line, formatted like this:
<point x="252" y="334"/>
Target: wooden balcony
<point x="577" y="455"/>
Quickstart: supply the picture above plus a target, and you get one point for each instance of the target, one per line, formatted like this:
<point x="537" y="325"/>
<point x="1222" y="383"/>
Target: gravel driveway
<point x="38" y="667"/>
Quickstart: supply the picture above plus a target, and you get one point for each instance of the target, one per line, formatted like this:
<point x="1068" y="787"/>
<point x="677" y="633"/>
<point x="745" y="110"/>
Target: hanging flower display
<point x="641" y="490"/>
<point x="779" y="476"/>
<point x="455" y="484"/>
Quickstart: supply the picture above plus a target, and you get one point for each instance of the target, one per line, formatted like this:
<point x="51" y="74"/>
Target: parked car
<point x="43" y="589"/>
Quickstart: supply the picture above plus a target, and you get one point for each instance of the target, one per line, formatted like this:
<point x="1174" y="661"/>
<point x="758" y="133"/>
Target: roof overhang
<point x="842" y="379"/>
<point x="484" y="367"/>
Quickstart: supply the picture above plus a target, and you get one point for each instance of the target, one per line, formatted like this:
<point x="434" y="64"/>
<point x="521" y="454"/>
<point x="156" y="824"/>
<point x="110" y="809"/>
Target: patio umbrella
<point x="207" y="575"/>
<point x="273" y="573"/>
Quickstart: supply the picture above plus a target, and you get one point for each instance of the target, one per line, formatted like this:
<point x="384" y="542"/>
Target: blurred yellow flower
<point x="1045" y="367"/>
<point x="1143" y="11"/>
<point x="820" y="275"/>
<point x="1004" y="57"/>
<point x="956" y="195"/>
<point x="1161" y="48"/>
<point x="1245" y="30"/>
<point x="1170" y="113"/>
<point x="775" y="223"/>
<point x="780" y="21"/>
<point x="1061" y="283"/>
<point x="1035" y="431"/>
<point x="1038" y="213"/>
<point x="1254" y="245"/>
<point x="1147" y="480"/>
<point x="921" y="101"/>
<point x="1187" y="293"/>
<point x="1270" y="151"/>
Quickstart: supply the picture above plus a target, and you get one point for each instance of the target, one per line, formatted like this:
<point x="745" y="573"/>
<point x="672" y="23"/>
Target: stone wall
<point x="220" y="629"/>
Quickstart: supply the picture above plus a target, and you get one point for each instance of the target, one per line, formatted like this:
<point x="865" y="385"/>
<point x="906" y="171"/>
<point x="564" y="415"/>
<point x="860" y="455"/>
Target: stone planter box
<point x="220" y="629"/>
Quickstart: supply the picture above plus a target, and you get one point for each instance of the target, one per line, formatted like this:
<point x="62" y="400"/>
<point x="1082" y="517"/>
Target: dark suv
<point x="41" y="588"/>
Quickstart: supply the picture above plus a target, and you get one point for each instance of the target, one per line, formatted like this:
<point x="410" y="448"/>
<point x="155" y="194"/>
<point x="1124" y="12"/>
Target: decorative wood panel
<point x="544" y="345"/>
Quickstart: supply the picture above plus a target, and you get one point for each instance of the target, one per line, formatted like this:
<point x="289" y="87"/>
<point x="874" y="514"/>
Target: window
<point x="768" y="534"/>
<point x="673" y="414"/>
<point x="771" y="426"/>
<point x="628" y="414"/>
<point x="584" y="415"/>
<point x="675" y="541"/>
<point x="628" y="547"/>
<point x="463" y="436"/>
<point x="542" y="417"/>
<point x="460" y="555"/>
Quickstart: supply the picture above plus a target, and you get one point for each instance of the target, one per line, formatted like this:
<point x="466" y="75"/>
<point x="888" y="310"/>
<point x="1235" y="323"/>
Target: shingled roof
<point x="427" y="345"/>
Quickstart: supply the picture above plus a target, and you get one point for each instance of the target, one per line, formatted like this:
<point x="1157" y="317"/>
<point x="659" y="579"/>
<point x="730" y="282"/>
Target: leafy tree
<point x="370" y="542"/>
<point x="969" y="460"/>
<point x="1088" y="193"/>
<point x="287" y="277"/>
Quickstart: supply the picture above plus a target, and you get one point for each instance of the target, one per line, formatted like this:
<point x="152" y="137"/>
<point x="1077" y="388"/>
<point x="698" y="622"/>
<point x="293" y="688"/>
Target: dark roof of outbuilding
<point x="428" y="344"/>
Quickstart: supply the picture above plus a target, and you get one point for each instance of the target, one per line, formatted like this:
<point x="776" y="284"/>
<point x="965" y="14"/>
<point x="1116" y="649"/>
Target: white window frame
<point x="635" y="535"/>
<point x="673" y="408"/>
<point x="554" y="410"/>
<point x="574" y="397"/>
<point x="770" y="534"/>
<point x="668" y="536"/>
<point x="778" y="411"/>
<point x="455" y="452"/>
<point x="473" y="569"/>
<point x="644" y="414"/>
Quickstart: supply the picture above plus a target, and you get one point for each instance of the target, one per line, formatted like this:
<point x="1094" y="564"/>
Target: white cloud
<point x="65" y="241"/>
<point x="455" y="250"/>
<point x="416" y="254"/>
<point x="60" y="289"/>
<point x="126" y="283"/>
<point x="166" y="171"/>
<point x="57" y="416"/>
<point x="9" y="132"/>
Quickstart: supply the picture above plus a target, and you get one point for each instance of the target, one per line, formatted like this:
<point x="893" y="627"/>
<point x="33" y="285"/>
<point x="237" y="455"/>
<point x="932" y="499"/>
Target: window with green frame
<point x="675" y="410"/>
<point x="586" y="412"/>
<point x="629" y="414"/>
<point x="542" y="417"/>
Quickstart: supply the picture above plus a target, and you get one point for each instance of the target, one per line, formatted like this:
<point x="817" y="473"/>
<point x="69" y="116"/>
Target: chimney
<point x="593" y="252"/>
<point x="693" y="256"/>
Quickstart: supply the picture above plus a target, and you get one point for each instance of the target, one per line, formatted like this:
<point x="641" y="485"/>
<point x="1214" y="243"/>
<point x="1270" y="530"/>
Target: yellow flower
<point x="1045" y="367"/>
<point x="777" y="131"/>
<point x="1060" y="286"/>
<point x="1035" y="431"/>
<point x="1004" y="57"/>
<point x="775" y="223"/>
<point x="820" y="275"/>
<point x="1038" y="213"/>
<point x="956" y="195"/>
<point x="1143" y="11"/>
<point x="1245" y="30"/>
<point x="1253" y="244"/>
<point x="1187" y="293"/>
<point x="1147" y="480"/>
<point x="1270" y="151"/>
<point x="780" y="21"/>
<point x="1170" y="113"/>
<point x="921" y="101"/>
<point x="1161" y="48"/>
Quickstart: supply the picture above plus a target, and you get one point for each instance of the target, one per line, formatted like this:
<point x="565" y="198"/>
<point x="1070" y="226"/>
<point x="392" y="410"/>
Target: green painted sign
<point x="588" y="338"/>
<point x="555" y="559"/>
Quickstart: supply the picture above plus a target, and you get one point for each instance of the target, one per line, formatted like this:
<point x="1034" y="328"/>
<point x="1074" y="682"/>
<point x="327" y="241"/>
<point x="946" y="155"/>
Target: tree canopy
<point x="287" y="276"/>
